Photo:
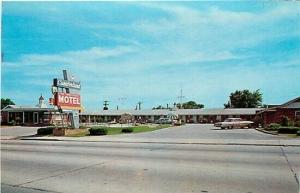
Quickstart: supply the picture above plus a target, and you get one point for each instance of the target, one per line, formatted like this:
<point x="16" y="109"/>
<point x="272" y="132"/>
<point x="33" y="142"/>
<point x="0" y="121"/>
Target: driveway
<point x="202" y="131"/>
<point x="17" y="131"/>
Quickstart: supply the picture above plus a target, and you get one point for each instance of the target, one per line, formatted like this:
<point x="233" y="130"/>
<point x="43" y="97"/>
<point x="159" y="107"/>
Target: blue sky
<point x="148" y="51"/>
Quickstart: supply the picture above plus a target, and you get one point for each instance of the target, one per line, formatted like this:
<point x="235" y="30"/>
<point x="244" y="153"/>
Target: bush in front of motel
<point x="98" y="131"/>
<point x="11" y="123"/>
<point x="45" y="130"/>
<point x="127" y="130"/>
<point x="273" y="127"/>
<point x="288" y="130"/>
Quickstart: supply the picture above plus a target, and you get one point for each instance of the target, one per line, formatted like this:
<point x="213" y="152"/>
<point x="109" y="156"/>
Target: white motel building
<point x="41" y="114"/>
<point x="186" y="115"/>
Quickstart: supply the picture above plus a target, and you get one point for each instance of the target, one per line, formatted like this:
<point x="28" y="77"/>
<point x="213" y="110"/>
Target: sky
<point x="126" y="52"/>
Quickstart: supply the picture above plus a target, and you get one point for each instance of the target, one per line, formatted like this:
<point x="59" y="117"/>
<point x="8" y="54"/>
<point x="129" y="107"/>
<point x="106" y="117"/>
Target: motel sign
<point x="65" y="100"/>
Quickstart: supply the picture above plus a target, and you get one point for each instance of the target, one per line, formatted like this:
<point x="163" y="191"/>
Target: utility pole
<point x="140" y="103"/>
<point x="180" y="97"/>
<point x="105" y="104"/>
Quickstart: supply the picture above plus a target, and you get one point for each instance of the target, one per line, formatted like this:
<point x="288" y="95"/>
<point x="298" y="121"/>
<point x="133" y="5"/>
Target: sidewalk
<point x="116" y="139"/>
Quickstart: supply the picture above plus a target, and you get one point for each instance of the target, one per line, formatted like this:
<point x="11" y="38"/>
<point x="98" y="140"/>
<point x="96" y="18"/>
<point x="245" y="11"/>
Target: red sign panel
<point x="67" y="100"/>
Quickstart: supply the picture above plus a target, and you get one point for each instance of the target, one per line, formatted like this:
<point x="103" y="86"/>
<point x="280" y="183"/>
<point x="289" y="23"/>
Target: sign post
<point x="65" y="100"/>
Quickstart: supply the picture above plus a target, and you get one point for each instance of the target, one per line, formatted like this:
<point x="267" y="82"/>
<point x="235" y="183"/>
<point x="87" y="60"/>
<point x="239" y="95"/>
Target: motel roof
<point x="292" y="104"/>
<point x="149" y="112"/>
<point x="15" y="108"/>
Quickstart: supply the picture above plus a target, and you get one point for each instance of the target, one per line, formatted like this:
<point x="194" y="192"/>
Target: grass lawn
<point x="118" y="130"/>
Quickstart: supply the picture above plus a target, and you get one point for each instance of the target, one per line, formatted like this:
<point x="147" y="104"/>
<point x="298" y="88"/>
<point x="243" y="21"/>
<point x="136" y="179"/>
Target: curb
<point x="171" y="143"/>
<point x="266" y="132"/>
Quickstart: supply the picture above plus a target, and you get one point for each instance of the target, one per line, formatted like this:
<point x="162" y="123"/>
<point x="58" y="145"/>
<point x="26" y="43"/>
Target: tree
<point x="5" y="102"/>
<point x="192" y="105"/>
<point x="244" y="99"/>
<point x="159" y="107"/>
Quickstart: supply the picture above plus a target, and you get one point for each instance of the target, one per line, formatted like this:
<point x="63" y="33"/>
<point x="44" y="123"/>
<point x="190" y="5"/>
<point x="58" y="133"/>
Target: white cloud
<point x="172" y="56"/>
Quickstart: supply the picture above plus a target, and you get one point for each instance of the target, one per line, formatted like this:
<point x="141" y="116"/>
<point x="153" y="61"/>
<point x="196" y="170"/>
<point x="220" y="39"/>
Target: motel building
<point x="186" y="115"/>
<point x="290" y="109"/>
<point x="37" y="115"/>
<point x="43" y="115"/>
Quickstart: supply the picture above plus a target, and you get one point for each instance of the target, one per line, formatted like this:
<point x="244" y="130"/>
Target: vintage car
<point x="231" y="123"/>
<point x="164" y="121"/>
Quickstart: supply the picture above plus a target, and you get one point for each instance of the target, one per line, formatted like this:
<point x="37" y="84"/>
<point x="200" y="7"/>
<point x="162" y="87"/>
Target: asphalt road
<point x="95" y="167"/>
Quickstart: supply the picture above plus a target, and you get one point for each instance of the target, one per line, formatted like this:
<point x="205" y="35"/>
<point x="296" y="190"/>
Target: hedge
<point x="45" y="131"/>
<point x="98" y="131"/>
<point x="288" y="130"/>
<point x="127" y="130"/>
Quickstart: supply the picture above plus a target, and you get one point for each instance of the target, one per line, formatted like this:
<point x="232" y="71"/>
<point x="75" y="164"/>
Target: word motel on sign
<point x="64" y="99"/>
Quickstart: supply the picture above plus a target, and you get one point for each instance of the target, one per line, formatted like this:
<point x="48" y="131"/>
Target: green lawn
<point x="118" y="130"/>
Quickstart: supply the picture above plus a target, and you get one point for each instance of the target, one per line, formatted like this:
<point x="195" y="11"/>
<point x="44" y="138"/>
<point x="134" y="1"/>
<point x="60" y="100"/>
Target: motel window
<point x="297" y="115"/>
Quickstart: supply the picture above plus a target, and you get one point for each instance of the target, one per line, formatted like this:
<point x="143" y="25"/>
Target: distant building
<point x="274" y="114"/>
<point x="39" y="114"/>
<point x="187" y="115"/>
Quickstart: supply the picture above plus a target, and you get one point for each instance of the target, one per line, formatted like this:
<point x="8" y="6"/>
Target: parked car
<point x="231" y="123"/>
<point x="164" y="121"/>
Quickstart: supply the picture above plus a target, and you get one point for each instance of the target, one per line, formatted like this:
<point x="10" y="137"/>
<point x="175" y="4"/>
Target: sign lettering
<point x="66" y="84"/>
<point x="66" y="100"/>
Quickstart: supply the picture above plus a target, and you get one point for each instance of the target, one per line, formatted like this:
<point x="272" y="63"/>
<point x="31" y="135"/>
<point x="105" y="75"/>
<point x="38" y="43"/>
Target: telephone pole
<point x="180" y="97"/>
<point x="105" y="104"/>
<point x="140" y="103"/>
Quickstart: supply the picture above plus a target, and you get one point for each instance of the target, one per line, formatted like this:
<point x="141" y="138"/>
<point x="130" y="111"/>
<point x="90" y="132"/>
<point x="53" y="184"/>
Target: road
<point x="94" y="167"/>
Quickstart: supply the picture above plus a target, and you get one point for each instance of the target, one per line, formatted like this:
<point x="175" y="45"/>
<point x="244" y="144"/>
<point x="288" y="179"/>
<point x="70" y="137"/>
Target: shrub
<point x="273" y="126"/>
<point x="127" y="130"/>
<point x="98" y="131"/>
<point x="45" y="131"/>
<point x="284" y="121"/>
<point x="12" y="123"/>
<point x="288" y="130"/>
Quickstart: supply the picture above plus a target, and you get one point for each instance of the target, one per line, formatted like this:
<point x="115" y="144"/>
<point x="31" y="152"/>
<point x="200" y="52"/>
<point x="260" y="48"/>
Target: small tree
<point x="5" y="102"/>
<point x="192" y="105"/>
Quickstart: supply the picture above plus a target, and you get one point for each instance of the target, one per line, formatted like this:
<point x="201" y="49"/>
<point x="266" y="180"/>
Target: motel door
<point x="35" y="118"/>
